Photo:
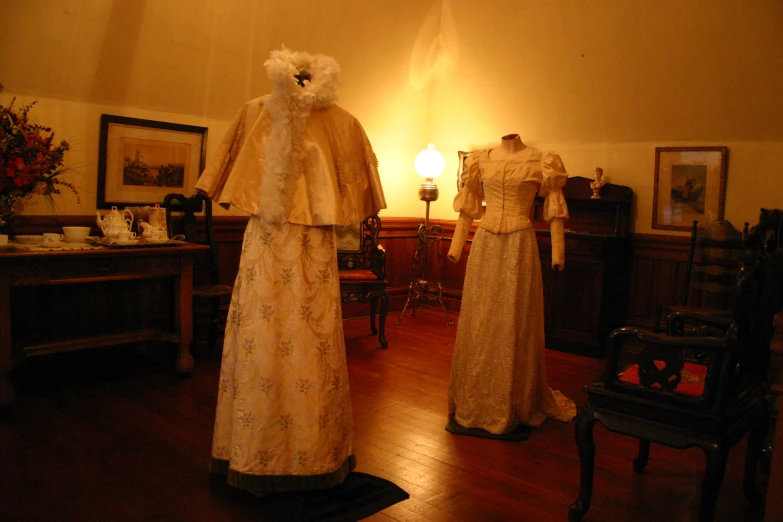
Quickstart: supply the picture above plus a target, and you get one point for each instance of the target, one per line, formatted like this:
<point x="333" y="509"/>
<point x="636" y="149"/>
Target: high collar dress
<point x="298" y="164"/>
<point x="498" y="372"/>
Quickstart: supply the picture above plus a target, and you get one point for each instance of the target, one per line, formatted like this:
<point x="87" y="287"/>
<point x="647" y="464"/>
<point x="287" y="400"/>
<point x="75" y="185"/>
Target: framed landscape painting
<point x="140" y="161"/>
<point x="690" y="184"/>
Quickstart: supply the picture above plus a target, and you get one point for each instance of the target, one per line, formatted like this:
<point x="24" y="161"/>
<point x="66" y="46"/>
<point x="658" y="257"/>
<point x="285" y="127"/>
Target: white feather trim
<point x="289" y="108"/>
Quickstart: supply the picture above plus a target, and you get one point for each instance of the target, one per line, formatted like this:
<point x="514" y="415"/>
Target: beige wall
<point x="601" y="82"/>
<point x="196" y="62"/>
<point x="604" y="82"/>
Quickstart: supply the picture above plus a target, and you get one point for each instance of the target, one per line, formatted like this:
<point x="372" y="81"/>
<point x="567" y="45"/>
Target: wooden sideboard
<point x="589" y="298"/>
<point x="71" y="268"/>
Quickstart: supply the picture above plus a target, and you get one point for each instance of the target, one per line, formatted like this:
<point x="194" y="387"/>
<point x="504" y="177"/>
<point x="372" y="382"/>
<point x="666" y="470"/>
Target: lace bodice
<point x="509" y="188"/>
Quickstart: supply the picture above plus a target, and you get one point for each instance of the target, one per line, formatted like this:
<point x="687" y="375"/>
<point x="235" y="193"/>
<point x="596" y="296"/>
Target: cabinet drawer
<point x="61" y="271"/>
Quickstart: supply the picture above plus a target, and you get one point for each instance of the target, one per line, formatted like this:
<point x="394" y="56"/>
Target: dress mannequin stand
<point x="511" y="146"/>
<point x="498" y="387"/>
<point x="518" y="434"/>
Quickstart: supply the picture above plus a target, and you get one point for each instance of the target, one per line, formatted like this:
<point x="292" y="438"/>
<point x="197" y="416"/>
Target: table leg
<point x="183" y="311"/>
<point x="6" y="355"/>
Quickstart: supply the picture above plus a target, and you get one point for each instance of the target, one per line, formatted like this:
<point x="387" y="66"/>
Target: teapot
<point x="152" y="232"/>
<point x="115" y="222"/>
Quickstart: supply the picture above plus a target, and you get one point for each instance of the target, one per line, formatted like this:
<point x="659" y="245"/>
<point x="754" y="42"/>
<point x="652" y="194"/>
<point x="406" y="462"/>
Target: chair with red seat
<point x="686" y="391"/>
<point x="361" y="262"/>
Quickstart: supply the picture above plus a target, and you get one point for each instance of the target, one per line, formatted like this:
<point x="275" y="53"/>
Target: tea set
<point x="115" y="225"/>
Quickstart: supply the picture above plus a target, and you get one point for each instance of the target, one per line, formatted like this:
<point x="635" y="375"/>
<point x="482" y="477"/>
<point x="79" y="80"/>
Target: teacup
<point x="3" y="239"/>
<point x="76" y="234"/>
<point x="126" y="236"/>
<point x="52" y="239"/>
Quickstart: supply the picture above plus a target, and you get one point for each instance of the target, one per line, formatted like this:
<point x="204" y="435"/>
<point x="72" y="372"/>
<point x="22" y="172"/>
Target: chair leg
<point x="382" y="320"/>
<point x="755" y="448"/>
<point x="644" y="454"/>
<point x="373" y="306"/>
<point x="214" y="315"/>
<point x="586" y="446"/>
<point x="713" y="478"/>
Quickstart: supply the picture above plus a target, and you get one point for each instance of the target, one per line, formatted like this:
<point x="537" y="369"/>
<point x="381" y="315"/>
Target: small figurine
<point x="597" y="184"/>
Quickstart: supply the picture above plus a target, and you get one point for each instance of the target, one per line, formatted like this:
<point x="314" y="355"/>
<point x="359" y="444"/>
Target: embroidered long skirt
<point x="498" y="372"/>
<point x="283" y="419"/>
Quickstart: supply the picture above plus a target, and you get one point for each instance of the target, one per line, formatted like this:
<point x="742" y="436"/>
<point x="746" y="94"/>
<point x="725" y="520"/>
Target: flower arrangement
<point x="30" y="161"/>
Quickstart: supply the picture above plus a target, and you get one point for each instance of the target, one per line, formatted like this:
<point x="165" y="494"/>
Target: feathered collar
<point x="301" y="82"/>
<point x="304" y="75"/>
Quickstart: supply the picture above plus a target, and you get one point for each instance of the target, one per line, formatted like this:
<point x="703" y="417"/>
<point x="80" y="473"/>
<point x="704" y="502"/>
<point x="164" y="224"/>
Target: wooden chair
<point x="710" y="272"/>
<point x="682" y="392"/>
<point x="212" y="291"/>
<point x="766" y="234"/>
<point x="361" y="263"/>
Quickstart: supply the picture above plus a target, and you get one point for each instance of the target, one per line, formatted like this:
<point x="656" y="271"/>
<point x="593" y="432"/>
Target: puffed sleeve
<point x="555" y="208"/>
<point x="468" y="203"/>
<point x="554" y="179"/>
<point x="468" y="199"/>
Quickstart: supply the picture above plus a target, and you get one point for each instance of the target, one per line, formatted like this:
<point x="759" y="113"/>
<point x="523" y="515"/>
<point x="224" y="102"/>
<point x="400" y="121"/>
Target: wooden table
<point x="57" y="267"/>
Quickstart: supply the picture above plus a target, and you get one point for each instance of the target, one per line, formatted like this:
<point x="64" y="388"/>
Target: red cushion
<point x="357" y="275"/>
<point x="691" y="383"/>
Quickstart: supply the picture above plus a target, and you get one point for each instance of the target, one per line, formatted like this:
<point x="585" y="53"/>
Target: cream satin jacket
<point x="335" y="181"/>
<point x="510" y="187"/>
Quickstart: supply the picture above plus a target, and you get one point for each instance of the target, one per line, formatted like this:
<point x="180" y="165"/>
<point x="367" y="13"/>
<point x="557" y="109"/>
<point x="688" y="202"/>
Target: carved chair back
<point x="215" y="293"/>
<point x="713" y="261"/>
<point x="187" y="225"/>
<point x="358" y="248"/>
<point x="361" y="263"/>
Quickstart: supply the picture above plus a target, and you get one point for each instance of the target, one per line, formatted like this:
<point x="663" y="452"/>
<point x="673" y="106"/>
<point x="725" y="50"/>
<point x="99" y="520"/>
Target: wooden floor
<point x="113" y="435"/>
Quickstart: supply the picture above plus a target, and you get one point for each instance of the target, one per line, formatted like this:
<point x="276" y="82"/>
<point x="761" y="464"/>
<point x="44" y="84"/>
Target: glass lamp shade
<point x="429" y="163"/>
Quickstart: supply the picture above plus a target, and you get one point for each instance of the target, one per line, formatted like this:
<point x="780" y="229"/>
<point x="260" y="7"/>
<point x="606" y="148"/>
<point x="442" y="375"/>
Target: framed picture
<point x="140" y="161"/>
<point x="461" y="174"/>
<point x="690" y="184"/>
<point x="461" y="155"/>
<point x="349" y="237"/>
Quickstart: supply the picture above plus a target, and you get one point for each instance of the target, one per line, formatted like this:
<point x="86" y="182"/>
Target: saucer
<point x="28" y="239"/>
<point x="59" y="244"/>
<point x="129" y="242"/>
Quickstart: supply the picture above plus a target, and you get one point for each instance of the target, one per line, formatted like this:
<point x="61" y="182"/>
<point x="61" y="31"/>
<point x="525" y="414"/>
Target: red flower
<point x="30" y="162"/>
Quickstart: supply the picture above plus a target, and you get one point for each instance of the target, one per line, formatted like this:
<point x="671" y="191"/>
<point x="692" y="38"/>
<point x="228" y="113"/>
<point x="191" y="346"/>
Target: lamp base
<point x="428" y="192"/>
<point x="417" y="291"/>
<point x="419" y="287"/>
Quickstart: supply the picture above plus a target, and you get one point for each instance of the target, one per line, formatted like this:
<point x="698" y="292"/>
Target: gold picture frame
<point x="690" y="184"/>
<point x="140" y="161"/>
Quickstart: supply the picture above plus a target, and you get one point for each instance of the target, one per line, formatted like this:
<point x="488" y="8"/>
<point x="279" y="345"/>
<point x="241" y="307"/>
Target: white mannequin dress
<point x="498" y="373"/>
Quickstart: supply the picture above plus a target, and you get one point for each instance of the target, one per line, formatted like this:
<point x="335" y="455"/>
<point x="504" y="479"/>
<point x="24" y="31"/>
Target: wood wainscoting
<point x="656" y="277"/>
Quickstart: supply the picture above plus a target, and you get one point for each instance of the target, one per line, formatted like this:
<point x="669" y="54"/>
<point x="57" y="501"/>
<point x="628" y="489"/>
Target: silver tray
<point x="136" y="243"/>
